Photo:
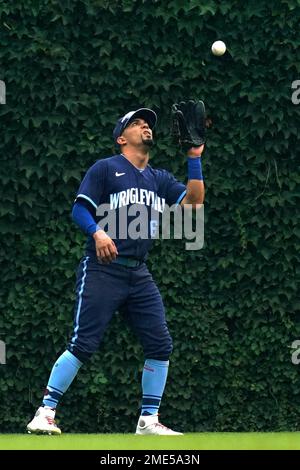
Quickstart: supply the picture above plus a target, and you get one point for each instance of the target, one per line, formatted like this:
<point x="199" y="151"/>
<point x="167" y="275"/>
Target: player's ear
<point x="121" y="140"/>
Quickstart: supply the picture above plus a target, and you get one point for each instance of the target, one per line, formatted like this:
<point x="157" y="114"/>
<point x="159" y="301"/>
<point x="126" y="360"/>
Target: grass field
<point x="193" y="441"/>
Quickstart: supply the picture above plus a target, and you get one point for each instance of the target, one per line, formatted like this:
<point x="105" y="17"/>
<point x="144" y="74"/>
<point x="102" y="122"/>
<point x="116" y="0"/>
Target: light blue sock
<point x="153" y="384"/>
<point x="62" y="375"/>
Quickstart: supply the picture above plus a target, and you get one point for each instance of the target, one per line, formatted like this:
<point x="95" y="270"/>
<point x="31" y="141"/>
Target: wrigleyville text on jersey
<point x="137" y="196"/>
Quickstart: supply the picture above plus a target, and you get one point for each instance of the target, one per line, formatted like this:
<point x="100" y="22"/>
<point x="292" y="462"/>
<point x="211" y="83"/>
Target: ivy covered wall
<point x="71" y="68"/>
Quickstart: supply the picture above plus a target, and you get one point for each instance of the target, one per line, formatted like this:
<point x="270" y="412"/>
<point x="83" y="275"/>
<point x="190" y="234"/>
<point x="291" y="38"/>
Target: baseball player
<point x="113" y="274"/>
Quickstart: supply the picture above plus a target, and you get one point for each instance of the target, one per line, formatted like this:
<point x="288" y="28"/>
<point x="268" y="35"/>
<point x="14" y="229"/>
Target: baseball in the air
<point x="218" y="48"/>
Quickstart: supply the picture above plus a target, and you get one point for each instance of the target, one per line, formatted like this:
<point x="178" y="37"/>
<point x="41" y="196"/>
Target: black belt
<point x="125" y="261"/>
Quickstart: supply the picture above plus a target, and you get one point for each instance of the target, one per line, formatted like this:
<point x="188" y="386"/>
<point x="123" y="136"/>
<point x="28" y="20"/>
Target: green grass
<point x="193" y="441"/>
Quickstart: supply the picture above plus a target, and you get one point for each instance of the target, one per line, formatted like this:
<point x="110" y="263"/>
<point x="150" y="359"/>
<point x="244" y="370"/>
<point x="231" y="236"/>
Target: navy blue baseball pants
<point x="101" y="289"/>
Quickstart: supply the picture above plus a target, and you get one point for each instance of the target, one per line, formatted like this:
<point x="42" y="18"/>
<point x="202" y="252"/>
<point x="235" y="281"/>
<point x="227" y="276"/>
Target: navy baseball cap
<point x="147" y="114"/>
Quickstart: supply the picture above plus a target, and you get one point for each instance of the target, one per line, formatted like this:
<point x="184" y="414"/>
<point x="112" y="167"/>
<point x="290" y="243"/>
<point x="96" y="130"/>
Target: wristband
<point x="194" y="168"/>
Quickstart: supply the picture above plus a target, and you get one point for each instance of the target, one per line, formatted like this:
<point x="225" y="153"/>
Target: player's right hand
<point x="105" y="248"/>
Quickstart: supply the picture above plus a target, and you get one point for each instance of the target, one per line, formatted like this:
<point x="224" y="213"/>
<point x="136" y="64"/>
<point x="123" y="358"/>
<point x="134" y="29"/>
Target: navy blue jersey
<point x="116" y="182"/>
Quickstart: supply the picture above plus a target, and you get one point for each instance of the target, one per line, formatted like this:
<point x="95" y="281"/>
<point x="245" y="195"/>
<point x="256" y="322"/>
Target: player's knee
<point x="160" y="350"/>
<point x="168" y="349"/>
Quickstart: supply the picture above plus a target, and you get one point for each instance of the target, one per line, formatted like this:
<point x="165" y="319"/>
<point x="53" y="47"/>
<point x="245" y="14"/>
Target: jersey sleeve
<point x="92" y="185"/>
<point x="174" y="190"/>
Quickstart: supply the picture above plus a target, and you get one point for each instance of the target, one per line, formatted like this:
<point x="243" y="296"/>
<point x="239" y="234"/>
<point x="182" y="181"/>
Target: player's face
<point x="138" y="132"/>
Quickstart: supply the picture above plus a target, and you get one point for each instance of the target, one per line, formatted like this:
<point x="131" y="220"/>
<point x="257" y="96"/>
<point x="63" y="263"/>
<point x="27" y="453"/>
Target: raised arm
<point x="188" y="130"/>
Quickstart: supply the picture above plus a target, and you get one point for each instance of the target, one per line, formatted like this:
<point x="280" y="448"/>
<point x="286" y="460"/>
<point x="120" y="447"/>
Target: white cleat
<point x="151" y="425"/>
<point x="43" y="422"/>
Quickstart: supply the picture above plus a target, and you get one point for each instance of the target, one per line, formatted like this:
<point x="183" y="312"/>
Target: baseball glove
<point x="189" y="124"/>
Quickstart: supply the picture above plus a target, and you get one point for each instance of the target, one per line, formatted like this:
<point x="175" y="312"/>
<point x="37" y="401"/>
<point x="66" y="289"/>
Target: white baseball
<point x="218" y="48"/>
